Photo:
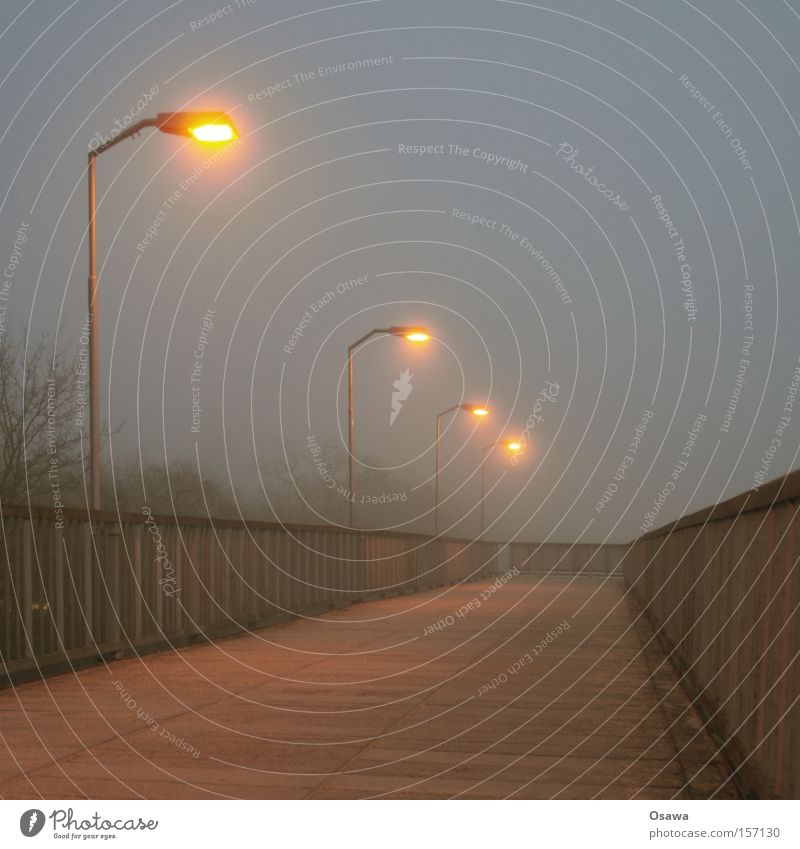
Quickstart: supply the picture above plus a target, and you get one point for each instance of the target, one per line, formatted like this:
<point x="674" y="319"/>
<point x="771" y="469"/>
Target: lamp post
<point x="210" y="127"/>
<point x="511" y="445"/>
<point x="412" y="334"/>
<point x="476" y="410"/>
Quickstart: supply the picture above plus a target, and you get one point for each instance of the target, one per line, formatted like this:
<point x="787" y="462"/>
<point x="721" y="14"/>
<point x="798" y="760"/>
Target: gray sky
<point x="551" y="129"/>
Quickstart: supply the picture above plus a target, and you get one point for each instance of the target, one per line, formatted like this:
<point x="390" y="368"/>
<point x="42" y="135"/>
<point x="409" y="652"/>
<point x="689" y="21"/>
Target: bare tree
<point x="40" y="460"/>
<point x="310" y="484"/>
<point x="175" y="488"/>
<point x="40" y="456"/>
<point x="294" y="494"/>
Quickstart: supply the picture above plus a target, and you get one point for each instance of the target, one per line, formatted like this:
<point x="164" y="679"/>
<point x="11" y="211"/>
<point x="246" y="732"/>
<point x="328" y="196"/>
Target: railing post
<point x="503" y="558"/>
<point x="177" y="565"/>
<point x="116" y="623"/>
<point x="88" y="583"/>
<point x="151" y="577"/>
<point x="27" y="586"/>
<point x="784" y="608"/>
<point x="138" y="589"/>
<point x="58" y="557"/>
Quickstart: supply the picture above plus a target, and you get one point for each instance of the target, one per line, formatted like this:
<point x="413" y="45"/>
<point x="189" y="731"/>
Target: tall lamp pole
<point x="476" y="410"/>
<point x="211" y="127"/>
<point x="412" y="334"/>
<point x="511" y="445"/>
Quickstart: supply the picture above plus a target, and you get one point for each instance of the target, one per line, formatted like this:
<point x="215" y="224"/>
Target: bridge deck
<point x="362" y="702"/>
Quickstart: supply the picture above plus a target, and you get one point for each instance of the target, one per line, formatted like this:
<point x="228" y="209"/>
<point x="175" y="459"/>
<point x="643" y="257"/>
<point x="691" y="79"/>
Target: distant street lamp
<point x="412" y="334"/>
<point x="509" y="444"/>
<point x="476" y="410"/>
<point x="207" y="127"/>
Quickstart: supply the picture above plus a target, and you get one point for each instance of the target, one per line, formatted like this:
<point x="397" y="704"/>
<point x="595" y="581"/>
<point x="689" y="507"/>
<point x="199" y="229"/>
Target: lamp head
<point x="413" y="334"/>
<point x="475" y="409"/>
<point x="209" y="127"/>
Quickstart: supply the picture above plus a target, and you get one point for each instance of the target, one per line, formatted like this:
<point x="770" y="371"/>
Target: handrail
<point x="776" y="491"/>
<point x="17" y="511"/>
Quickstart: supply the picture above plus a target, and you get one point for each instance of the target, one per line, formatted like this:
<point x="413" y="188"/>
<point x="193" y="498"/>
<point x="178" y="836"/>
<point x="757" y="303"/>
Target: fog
<point x="592" y="216"/>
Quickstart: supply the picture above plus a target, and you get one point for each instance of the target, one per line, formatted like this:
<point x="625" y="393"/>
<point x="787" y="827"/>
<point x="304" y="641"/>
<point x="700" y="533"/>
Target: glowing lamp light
<point x="213" y="132"/>
<point x="479" y="411"/>
<point x="208" y="127"/>
<point x="413" y="334"/>
<point x="514" y="446"/>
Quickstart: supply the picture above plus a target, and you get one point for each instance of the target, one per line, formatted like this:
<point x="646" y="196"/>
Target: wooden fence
<point x="73" y="590"/>
<point x="722" y="589"/>
<point x="588" y="561"/>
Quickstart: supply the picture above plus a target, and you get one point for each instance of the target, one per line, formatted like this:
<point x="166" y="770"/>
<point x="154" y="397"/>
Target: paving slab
<point x="549" y="688"/>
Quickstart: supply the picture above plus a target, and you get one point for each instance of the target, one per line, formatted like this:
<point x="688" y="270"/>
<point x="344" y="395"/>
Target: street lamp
<point x="412" y="334"/>
<point x="476" y="410"/>
<point x="208" y="127"/>
<point x="509" y="444"/>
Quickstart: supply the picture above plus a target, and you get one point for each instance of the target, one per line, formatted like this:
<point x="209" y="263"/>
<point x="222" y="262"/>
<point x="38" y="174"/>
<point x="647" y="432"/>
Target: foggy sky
<point x="654" y="320"/>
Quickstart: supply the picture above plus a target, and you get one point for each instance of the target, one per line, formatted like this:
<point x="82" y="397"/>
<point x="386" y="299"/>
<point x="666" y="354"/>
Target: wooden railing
<point x="722" y="589"/>
<point x="585" y="560"/>
<point x="73" y="590"/>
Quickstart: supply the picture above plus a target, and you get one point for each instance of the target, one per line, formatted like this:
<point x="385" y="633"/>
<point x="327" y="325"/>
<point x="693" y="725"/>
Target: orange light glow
<point x="514" y="446"/>
<point x="479" y="411"/>
<point x="213" y="133"/>
<point x="417" y="336"/>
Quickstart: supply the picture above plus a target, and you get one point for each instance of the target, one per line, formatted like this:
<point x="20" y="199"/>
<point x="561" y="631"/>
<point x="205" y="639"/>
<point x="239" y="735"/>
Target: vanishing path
<point x="361" y="702"/>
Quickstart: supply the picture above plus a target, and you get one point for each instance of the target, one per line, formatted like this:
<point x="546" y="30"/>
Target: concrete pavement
<point x="539" y="689"/>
